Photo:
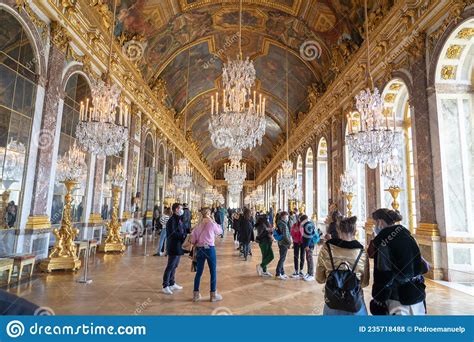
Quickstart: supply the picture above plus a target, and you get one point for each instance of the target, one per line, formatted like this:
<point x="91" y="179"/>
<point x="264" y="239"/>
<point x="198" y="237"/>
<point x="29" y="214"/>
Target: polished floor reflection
<point x="131" y="284"/>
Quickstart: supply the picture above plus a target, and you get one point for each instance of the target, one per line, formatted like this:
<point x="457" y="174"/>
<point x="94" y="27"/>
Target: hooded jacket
<point x="285" y="231"/>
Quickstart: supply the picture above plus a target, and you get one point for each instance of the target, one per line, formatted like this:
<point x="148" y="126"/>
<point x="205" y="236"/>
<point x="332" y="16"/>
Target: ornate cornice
<point x="59" y="36"/>
<point x="87" y="23"/>
<point x="397" y="36"/>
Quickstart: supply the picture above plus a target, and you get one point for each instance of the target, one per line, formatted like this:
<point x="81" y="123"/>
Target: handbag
<point x="187" y="245"/>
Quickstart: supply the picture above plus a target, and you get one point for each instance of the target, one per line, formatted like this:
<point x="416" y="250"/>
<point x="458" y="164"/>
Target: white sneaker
<point x="282" y="277"/>
<point x="176" y="287"/>
<point x="167" y="290"/>
<point x="309" y="278"/>
<point x="161" y="254"/>
<point x="267" y="274"/>
<point x="285" y="276"/>
<point x="295" y="275"/>
<point x="259" y="270"/>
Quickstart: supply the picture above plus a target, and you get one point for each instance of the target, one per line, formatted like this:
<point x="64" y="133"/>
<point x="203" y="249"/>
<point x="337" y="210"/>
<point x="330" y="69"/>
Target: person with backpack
<point x="298" y="249"/>
<point x="310" y="238"/>
<point x="264" y="240"/>
<point x="343" y="267"/>
<point x="284" y="243"/>
<point x="398" y="287"/>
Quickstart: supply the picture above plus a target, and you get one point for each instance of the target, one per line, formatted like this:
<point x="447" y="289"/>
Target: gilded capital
<point x="59" y="36"/>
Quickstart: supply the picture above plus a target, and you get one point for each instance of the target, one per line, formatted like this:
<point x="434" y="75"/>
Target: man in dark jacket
<point x="219" y="218"/>
<point x="187" y="217"/>
<point x="175" y="236"/>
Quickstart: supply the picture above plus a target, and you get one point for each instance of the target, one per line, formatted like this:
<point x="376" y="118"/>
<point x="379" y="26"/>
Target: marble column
<point x="129" y="183"/>
<point x="427" y="232"/>
<point x="95" y="216"/>
<point x="45" y="141"/>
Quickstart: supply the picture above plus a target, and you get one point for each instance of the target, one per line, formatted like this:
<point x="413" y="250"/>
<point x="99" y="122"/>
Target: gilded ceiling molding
<point x="403" y="25"/>
<point x="86" y="27"/>
<point x="454" y="16"/>
<point x="293" y="10"/>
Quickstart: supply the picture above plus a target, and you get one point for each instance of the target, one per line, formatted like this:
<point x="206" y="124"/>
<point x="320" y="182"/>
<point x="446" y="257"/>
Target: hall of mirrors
<point x="78" y="177"/>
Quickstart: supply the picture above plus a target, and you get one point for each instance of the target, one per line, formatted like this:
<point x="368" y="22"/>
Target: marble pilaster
<point x="427" y="231"/>
<point x="44" y="140"/>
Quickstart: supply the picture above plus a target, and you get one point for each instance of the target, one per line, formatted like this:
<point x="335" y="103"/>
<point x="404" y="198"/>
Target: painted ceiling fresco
<point x="203" y="34"/>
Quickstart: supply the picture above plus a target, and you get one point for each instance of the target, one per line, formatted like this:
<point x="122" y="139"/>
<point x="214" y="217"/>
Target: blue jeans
<point x="170" y="271"/>
<point x="161" y="245"/>
<point x="203" y="254"/>
<point x="327" y="311"/>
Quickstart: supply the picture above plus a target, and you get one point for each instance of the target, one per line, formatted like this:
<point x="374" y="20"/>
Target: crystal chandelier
<point x="116" y="176"/>
<point x="240" y="123"/>
<point x="72" y="165"/>
<point x="347" y="182"/>
<point x="295" y="194"/>
<point x="11" y="161"/>
<point x="235" y="173"/>
<point x="286" y="176"/>
<point x="182" y="174"/>
<point x="370" y="139"/>
<point x="235" y="155"/>
<point x="392" y="170"/>
<point x="102" y="128"/>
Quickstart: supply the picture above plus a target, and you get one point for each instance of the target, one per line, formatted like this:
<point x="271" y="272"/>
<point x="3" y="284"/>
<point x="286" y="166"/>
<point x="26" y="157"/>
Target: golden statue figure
<point x="64" y="255"/>
<point x="114" y="242"/>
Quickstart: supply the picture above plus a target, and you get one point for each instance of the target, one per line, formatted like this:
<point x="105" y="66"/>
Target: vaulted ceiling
<point x="205" y="31"/>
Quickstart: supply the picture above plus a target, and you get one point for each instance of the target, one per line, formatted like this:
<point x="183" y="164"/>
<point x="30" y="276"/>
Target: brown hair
<point x="388" y="215"/>
<point x="247" y="214"/>
<point x="167" y="211"/>
<point x="205" y="211"/>
<point x="348" y="225"/>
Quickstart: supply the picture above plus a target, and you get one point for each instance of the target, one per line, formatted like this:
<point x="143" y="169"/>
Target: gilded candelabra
<point x="114" y="242"/>
<point x="349" y="196"/>
<point x="394" y="192"/>
<point x="64" y="256"/>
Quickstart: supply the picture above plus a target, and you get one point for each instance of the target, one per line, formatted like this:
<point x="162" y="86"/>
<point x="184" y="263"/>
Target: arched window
<point x="323" y="177"/>
<point x="77" y="90"/>
<point x="161" y="176"/>
<point x="357" y="170"/>
<point x="17" y="106"/>
<point x="455" y="103"/>
<point x="299" y="171"/>
<point x="396" y="102"/>
<point x="309" y="183"/>
<point x="170" y="166"/>
<point x="149" y="176"/>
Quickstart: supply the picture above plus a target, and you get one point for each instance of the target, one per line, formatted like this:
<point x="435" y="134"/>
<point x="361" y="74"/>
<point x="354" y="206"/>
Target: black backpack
<point x="342" y="290"/>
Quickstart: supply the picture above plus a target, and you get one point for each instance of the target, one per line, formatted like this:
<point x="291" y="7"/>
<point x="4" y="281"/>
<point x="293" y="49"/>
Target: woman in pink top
<point x="299" y="252"/>
<point x="202" y="237"/>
